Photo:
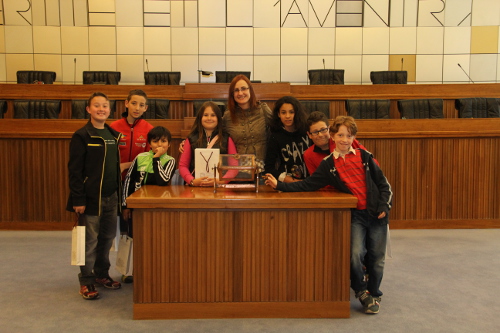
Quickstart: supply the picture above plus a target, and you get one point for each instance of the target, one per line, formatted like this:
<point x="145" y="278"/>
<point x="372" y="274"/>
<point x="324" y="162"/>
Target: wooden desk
<point x="240" y="254"/>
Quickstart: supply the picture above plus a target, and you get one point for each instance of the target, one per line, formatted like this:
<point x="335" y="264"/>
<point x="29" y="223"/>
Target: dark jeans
<point x="100" y="231"/>
<point x="368" y="245"/>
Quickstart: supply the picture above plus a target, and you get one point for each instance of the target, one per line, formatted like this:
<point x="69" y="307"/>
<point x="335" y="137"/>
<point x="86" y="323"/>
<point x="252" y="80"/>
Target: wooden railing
<point x="444" y="172"/>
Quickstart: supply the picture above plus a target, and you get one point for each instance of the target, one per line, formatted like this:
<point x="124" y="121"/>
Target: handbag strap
<point x="213" y="141"/>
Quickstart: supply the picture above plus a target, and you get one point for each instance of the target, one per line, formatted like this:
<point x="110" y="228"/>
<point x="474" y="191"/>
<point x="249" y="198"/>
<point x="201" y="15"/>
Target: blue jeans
<point x="100" y="232"/>
<point x="368" y="245"/>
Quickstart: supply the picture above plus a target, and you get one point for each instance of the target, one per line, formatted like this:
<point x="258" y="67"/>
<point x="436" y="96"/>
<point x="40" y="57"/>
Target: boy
<point x="134" y="131"/>
<point x="323" y="146"/>
<point x="155" y="167"/>
<point x="95" y="186"/>
<point x="355" y="171"/>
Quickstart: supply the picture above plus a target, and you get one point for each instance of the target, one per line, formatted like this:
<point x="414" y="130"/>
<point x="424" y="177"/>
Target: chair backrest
<point x="79" y="109"/>
<point x="228" y="76"/>
<point x="326" y="76"/>
<point x="421" y="108"/>
<point x="3" y="108"/>
<point x="101" y="77"/>
<point x="157" y="109"/>
<point x="389" y="77"/>
<point x="478" y="107"/>
<point x="368" y="108"/>
<point x="162" y="78"/>
<point x="36" y="109"/>
<point x="321" y="106"/>
<point x="29" y="77"/>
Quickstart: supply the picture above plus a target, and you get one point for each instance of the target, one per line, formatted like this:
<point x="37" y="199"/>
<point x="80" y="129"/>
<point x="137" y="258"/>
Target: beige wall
<point x="275" y="40"/>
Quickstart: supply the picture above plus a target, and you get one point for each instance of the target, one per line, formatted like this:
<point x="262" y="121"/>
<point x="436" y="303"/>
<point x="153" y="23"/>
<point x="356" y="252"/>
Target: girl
<point x="288" y="141"/>
<point x="206" y="133"/>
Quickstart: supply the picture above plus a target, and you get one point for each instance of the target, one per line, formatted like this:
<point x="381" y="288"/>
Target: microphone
<point x="402" y="61"/>
<point x="74" y="76"/>
<point x="147" y="65"/>
<point x="324" y="64"/>
<point x="465" y="73"/>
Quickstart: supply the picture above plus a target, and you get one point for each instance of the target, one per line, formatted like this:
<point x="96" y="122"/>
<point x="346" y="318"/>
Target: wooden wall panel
<point x="261" y="254"/>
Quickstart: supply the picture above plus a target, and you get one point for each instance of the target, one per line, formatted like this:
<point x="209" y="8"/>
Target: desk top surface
<point x="187" y="198"/>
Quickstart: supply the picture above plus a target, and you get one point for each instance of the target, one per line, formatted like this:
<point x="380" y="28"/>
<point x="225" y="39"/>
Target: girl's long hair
<point x="197" y="136"/>
<point x="299" y="118"/>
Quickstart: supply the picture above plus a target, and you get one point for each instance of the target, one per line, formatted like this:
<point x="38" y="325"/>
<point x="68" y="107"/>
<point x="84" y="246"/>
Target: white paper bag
<point x="78" y="246"/>
<point x="114" y="247"/>
<point x="125" y="256"/>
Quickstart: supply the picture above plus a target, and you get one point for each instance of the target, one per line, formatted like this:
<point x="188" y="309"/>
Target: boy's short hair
<point x="137" y="92"/>
<point x="347" y="121"/>
<point x="96" y="94"/>
<point x="315" y="117"/>
<point x="158" y="132"/>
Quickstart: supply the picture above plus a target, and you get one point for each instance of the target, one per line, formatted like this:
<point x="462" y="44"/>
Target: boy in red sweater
<point x="134" y="141"/>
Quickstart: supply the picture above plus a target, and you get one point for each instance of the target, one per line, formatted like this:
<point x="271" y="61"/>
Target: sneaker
<point x="127" y="278"/>
<point x="109" y="283"/>
<point x="370" y="304"/>
<point x="89" y="292"/>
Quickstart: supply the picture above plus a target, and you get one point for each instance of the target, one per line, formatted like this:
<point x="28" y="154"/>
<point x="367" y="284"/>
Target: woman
<point x="247" y="120"/>
<point x="288" y="141"/>
<point x="206" y="133"/>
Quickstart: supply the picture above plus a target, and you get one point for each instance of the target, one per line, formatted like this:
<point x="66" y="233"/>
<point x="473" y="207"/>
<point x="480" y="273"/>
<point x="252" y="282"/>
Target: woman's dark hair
<point x="231" y="102"/>
<point x="299" y="118"/>
<point x="197" y="136"/>
<point x="96" y="94"/>
<point x="158" y="132"/>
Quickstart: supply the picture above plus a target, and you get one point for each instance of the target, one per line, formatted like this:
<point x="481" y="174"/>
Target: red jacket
<point x="134" y="138"/>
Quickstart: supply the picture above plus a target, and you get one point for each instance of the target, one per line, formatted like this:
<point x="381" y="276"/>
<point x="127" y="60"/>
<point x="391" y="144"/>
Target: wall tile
<point x="485" y="12"/>
<point x="212" y="40"/>
<point x="158" y="63"/>
<point x="18" y="62"/>
<point x="234" y="10"/>
<point x="321" y="41"/>
<point x="18" y="39"/>
<point x="376" y="40"/>
<point x="102" y="40"/>
<point x="129" y="13"/>
<point x="212" y="13"/>
<point x="457" y="40"/>
<point x="484" y="39"/>
<point x="267" y="68"/>
<point x="187" y="65"/>
<point x="75" y="40"/>
<point x="131" y="68"/>
<point x="403" y="40"/>
<point x="405" y="62"/>
<point x="184" y="41"/>
<point x="430" y="40"/>
<point x="239" y="41"/>
<point x="294" y="69"/>
<point x="267" y="41"/>
<point x="130" y="40"/>
<point x="266" y="15"/>
<point x="348" y="41"/>
<point x="72" y="70"/>
<point x="294" y="41"/>
<point x="451" y="70"/>
<point x="372" y="63"/>
<point x="102" y="63"/>
<point x="157" y="40"/>
<point x="49" y="62"/>
<point x="352" y="66"/>
<point x="429" y="68"/>
<point x="241" y="63"/>
<point x="483" y="67"/>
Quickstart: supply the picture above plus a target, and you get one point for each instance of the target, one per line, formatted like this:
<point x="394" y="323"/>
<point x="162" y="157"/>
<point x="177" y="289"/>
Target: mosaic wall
<point x="277" y="40"/>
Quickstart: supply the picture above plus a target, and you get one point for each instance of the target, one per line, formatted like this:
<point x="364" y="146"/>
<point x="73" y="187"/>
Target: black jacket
<point x="378" y="189"/>
<point x="86" y="161"/>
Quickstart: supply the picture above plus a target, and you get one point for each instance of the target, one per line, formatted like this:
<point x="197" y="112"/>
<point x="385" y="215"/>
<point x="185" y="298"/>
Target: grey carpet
<point x="436" y="281"/>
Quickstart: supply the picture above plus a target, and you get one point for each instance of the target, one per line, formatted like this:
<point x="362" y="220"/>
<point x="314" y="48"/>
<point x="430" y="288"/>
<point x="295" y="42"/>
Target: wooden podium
<point x="240" y="254"/>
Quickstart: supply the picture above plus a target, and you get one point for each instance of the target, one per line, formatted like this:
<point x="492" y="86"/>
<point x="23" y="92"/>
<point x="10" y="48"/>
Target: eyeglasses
<point x="322" y="131"/>
<point x="242" y="89"/>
